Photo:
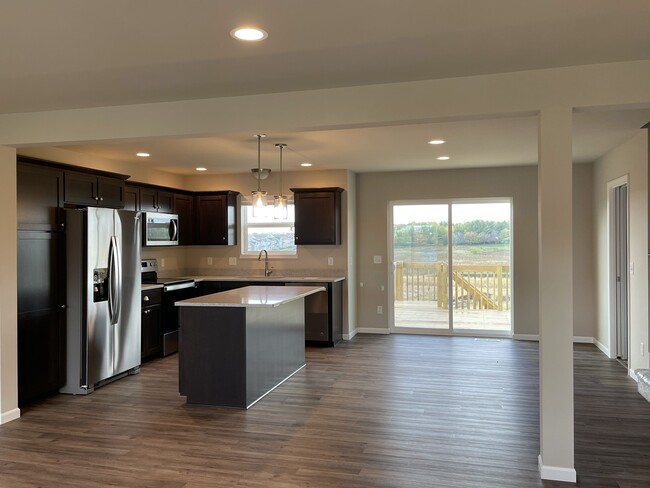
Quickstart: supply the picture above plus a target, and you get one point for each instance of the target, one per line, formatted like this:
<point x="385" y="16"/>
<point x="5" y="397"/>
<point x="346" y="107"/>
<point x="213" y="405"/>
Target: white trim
<point x="611" y="268"/>
<point x="633" y="375"/>
<point x="526" y="337"/>
<point x="350" y="336"/>
<point x="604" y="349"/>
<point x="372" y="330"/>
<point x="9" y="416"/>
<point x="555" y="473"/>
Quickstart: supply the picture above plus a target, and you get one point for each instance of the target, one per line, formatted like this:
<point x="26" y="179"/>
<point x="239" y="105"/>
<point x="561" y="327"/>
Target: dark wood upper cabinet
<point x="184" y="208"/>
<point x="88" y="189"/>
<point x="131" y="197"/>
<point x="40" y="197"/>
<point x="216" y="222"/>
<point x="156" y="200"/>
<point x="318" y="215"/>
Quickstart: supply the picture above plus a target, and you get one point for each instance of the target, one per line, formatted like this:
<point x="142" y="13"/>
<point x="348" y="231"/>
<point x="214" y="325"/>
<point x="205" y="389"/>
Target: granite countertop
<point x="278" y="278"/>
<point x="147" y="286"/>
<point x="252" y="296"/>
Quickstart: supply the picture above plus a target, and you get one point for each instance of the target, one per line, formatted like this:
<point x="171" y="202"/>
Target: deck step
<point x="643" y="375"/>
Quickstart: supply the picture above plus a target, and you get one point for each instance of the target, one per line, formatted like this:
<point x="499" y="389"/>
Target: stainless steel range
<point x="174" y="289"/>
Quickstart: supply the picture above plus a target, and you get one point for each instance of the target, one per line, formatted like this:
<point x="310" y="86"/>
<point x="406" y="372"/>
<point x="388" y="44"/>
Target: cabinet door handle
<point x="145" y="299"/>
<point x="101" y="199"/>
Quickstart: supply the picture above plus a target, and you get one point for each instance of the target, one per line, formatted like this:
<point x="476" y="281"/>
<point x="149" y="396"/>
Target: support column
<point x="8" y="286"/>
<point x="555" y="295"/>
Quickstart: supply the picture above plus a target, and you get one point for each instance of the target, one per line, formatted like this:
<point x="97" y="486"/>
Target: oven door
<point x="160" y="229"/>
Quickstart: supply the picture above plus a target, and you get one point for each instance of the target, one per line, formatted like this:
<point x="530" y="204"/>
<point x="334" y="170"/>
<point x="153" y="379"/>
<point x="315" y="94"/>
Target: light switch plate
<point x="232" y="261"/>
<point x="209" y="261"/>
<point x="330" y="261"/>
<point x="376" y="259"/>
<point x="162" y="262"/>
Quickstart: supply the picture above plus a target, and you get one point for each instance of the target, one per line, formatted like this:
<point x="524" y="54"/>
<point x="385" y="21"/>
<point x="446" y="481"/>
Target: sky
<point x="461" y="212"/>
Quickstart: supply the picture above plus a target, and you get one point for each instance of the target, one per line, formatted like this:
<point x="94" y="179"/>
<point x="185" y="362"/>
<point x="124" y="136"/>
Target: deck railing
<point x="473" y="286"/>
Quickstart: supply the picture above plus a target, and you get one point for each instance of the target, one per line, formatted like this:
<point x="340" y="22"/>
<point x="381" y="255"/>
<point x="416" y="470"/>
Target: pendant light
<point x="259" y="196"/>
<point x="280" y="201"/>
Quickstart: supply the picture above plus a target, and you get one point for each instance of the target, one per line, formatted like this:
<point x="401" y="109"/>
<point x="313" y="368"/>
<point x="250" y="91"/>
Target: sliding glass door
<point x="420" y="265"/>
<point x="463" y="287"/>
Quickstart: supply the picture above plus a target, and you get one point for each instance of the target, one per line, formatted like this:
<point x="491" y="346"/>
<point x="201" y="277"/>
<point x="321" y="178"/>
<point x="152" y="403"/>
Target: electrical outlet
<point x="330" y="261"/>
<point x="361" y="284"/>
<point x="232" y="261"/>
<point x="162" y="262"/>
<point x="632" y="268"/>
<point x="376" y="259"/>
<point x="210" y="261"/>
<point x="380" y="310"/>
<point x="383" y="287"/>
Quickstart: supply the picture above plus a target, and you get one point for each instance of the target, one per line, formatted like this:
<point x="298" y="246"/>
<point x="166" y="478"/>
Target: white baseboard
<point x="9" y="416"/>
<point x="555" y="473"/>
<point x="602" y="347"/>
<point x="583" y="340"/>
<point x="576" y="339"/>
<point x="347" y="337"/>
<point x="525" y="337"/>
<point x="372" y="330"/>
<point x="633" y="375"/>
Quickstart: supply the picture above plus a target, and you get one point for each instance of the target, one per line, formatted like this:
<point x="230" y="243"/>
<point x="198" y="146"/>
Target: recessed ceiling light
<point x="201" y="168"/>
<point x="443" y="158"/>
<point x="143" y="154"/>
<point x="306" y="165"/>
<point x="435" y="142"/>
<point x="250" y="34"/>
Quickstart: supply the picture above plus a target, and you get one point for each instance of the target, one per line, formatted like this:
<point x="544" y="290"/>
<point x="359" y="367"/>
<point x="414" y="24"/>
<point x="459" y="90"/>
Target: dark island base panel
<point x="238" y="354"/>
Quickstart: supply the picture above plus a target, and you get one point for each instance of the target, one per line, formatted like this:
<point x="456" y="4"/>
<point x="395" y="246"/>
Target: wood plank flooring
<point x="393" y="411"/>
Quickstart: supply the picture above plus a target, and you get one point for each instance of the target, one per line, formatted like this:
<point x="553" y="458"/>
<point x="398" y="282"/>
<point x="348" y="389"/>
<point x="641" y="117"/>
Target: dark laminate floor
<point x="379" y="411"/>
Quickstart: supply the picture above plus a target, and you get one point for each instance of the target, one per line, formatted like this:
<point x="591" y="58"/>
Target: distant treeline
<point x="435" y="233"/>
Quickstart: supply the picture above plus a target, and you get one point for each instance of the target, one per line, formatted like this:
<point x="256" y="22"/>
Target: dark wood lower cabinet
<point x="41" y="315"/>
<point x="152" y="333"/>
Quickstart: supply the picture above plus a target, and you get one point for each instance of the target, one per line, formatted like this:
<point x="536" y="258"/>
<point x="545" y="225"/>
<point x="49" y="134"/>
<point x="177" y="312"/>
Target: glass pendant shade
<point x="259" y="202"/>
<point x="280" y="207"/>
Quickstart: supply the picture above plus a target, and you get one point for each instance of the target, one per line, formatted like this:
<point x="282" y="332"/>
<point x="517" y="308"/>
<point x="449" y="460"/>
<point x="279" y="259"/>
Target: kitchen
<point x="205" y="263"/>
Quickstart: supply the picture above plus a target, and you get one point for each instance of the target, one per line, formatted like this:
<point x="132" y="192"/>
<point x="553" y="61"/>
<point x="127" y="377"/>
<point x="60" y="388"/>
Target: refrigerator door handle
<point x="114" y="288"/>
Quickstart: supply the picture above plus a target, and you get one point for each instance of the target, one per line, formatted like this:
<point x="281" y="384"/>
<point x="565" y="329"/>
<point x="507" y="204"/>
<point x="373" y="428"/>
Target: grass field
<point x="481" y="254"/>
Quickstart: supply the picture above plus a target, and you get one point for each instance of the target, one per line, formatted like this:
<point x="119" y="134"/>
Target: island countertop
<point x="252" y="296"/>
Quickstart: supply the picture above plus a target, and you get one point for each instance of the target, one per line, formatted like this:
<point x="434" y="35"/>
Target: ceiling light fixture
<point x="443" y="158"/>
<point x="143" y="154"/>
<point x="435" y="142"/>
<point x="201" y="168"/>
<point x="259" y="196"/>
<point x="249" y="34"/>
<point x="306" y="165"/>
<point x="280" y="201"/>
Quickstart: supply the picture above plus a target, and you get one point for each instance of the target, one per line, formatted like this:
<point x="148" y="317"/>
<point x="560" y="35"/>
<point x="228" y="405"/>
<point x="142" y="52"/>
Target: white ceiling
<point x="85" y="53"/>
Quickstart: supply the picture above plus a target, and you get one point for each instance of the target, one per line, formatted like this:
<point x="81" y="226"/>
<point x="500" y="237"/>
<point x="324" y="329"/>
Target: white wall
<point x="8" y="279"/>
<point x="376" y="190"/>
<point x="630" y="158"/>
<point x="583" y="252"/>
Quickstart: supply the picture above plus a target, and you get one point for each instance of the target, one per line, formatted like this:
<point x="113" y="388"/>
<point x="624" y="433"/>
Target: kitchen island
<point x="238" y="345"/>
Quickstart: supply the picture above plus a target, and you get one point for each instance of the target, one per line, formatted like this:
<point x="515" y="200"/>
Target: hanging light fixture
<point x="280" y="201"/>
<point x="259" y="196"/>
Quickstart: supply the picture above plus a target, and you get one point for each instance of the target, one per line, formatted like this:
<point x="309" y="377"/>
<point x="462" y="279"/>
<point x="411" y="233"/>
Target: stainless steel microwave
<point x="160" y="229"/>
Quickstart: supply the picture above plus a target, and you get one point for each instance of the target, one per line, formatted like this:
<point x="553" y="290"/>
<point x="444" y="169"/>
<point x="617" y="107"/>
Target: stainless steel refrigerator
<point x="103" y="297"/>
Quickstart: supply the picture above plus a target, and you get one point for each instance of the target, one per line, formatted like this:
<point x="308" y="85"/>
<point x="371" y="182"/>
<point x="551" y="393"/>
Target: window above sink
<point x="266" y="232"/>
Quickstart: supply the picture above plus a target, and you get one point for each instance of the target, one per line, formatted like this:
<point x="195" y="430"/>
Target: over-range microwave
<point x="160" y="229"/>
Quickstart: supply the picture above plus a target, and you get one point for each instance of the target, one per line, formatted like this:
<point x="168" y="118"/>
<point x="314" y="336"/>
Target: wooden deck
<point x="427" y="315"/>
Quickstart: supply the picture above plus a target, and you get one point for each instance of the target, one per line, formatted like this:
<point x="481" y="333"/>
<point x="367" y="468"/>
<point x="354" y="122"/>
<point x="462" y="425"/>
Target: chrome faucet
<point x="267" y="270"/>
